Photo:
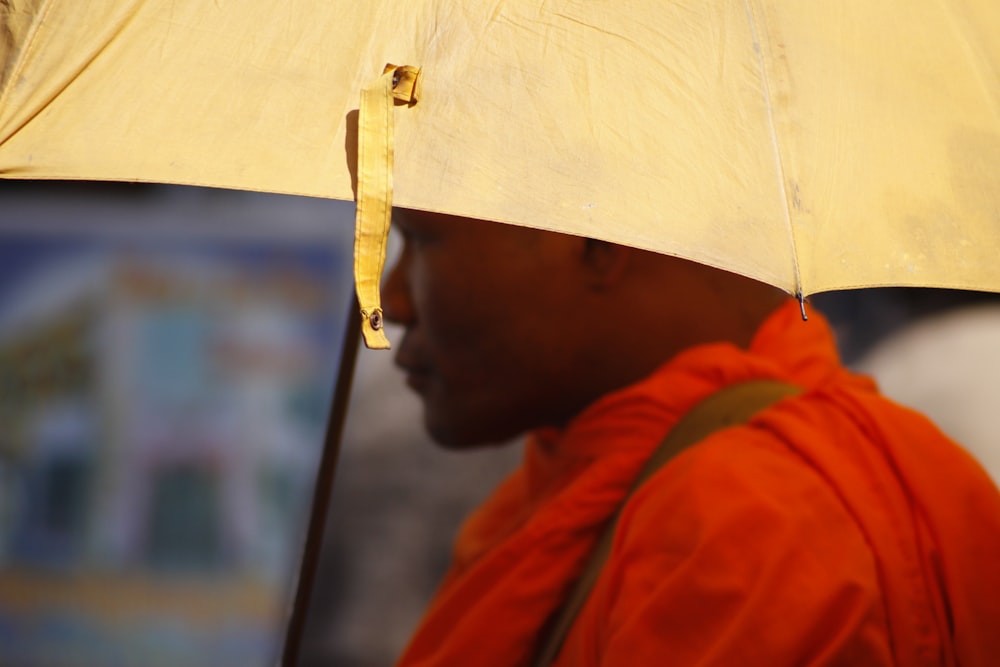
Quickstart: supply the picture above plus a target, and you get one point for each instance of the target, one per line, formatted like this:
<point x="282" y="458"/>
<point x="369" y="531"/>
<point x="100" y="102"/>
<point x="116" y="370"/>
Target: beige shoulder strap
<point x="730" y="406"/>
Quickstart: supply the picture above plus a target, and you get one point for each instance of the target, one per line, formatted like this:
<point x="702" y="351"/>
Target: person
<point x="832" y="528"/>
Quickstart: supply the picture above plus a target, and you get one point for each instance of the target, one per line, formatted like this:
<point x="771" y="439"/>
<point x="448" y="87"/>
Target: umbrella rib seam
<point x="766" y="90"/>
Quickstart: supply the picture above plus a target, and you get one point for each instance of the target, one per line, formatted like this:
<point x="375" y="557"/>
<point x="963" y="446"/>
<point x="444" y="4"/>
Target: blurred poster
<point x="167" y="357"/>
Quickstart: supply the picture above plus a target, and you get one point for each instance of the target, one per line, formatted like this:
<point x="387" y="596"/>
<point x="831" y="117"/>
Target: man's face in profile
<point x="482" y="303"/>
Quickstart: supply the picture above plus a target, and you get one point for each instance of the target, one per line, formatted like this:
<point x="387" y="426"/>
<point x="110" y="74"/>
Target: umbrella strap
<point x="731" y="406"/>
<point x="374" y="196"/>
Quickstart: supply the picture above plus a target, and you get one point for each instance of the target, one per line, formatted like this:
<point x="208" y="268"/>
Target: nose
<point x="397" y="303"/>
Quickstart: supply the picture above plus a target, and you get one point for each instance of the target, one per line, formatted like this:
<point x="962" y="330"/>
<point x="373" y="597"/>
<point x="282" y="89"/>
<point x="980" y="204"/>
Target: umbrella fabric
<point x="811" y="145"/>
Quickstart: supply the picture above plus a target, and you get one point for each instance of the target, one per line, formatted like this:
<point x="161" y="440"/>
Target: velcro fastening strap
<point x="374" y="198"/>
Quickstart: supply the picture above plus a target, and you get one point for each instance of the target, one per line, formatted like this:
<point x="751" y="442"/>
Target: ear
<point x="605" y="263"/>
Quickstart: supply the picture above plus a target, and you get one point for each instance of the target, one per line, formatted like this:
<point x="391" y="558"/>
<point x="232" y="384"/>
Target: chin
<point x="459" y="437"/>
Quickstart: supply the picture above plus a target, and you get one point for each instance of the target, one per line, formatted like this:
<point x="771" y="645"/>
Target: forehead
<point x="440" y="224"/>
<point x="427" y="223"/>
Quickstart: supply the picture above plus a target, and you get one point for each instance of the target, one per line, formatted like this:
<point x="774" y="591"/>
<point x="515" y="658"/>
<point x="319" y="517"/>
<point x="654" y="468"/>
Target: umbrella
<point x="814" y="146"/>
<point x="811" y="145"/>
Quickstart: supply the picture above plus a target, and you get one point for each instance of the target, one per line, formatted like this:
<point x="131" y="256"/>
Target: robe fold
<point x="834" y="528"/>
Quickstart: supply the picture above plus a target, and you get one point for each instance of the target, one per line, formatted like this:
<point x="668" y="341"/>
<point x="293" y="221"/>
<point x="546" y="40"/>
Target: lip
<point x="417" y="377"/>
<point x="408" y="360"/>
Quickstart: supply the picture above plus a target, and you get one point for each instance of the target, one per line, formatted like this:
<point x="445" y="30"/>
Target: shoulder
<point x="731" y="487"/>
<point x="740" y="545"/>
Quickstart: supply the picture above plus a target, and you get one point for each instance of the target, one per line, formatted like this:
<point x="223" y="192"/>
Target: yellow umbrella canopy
<point x="811" y="145"/>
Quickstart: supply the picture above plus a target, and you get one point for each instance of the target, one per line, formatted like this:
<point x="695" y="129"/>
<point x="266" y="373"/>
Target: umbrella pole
<point x="323" y="488"/>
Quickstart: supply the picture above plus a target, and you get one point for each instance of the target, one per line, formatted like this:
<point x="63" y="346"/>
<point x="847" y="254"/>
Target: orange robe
<point x="835" y="528"/>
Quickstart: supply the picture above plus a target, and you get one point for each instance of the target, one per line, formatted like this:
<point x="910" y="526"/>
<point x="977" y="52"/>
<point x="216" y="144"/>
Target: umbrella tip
<point x="802" y="306"/>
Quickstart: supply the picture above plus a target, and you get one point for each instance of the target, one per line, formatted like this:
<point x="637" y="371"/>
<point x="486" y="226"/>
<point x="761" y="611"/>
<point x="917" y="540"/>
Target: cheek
<point x="464" y="341"/>
<point x="466" y="331"/>
<point x="458" y="311"/>
<point x="466" y="400"/>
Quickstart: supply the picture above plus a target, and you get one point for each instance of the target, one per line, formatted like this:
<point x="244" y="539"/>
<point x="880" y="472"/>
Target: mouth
<point x="413" y="361"/>
<point x="418" y="381"/>
<point x="417" y="376"/>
